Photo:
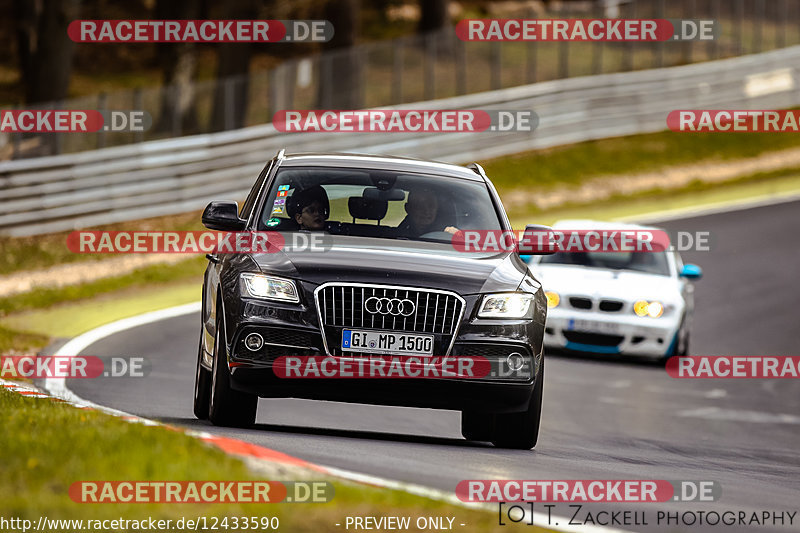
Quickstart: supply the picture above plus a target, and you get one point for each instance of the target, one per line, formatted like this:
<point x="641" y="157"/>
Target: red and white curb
<point x="254" y="455"/>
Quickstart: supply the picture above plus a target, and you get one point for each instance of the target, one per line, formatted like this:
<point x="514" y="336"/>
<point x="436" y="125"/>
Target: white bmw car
<point x="605" y="302"/>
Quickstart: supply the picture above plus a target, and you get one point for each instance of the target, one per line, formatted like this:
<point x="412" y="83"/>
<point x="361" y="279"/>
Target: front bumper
<point x="291" y="331"/>
<point x="607" y="333"/>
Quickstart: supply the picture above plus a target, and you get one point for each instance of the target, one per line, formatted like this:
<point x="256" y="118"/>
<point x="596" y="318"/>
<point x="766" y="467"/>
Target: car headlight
<point x="553" y="299"/>
<point x="652" y="309"/>
<point x="269" y="287"/>
<point x="505" y="305"/>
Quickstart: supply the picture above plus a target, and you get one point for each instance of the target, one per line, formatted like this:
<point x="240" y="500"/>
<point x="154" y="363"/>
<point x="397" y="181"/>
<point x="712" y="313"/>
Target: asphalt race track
<point x="603" y="419"/>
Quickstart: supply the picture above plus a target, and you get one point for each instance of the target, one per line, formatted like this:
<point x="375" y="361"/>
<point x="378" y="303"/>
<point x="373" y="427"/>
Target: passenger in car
<point x="309" y="208"/>
<point x="424" y="215"/>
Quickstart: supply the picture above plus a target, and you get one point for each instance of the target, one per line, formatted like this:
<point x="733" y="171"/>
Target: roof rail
<point x="477" y="169"/>
<point x="281" y="154"/>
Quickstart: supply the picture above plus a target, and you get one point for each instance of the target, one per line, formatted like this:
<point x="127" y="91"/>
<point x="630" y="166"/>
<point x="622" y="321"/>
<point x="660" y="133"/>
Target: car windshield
<point x="376" y="203"/>
<point x="650" y="262"/>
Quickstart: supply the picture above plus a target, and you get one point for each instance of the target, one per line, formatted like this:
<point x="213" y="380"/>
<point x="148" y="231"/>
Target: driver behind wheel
<point x="424" y="215"/>
<point x="310" y="208"/>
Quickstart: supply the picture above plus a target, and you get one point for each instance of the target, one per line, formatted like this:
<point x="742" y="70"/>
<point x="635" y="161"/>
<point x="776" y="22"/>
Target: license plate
<point x="386" y="342"/>
<point x="592" y="326"/>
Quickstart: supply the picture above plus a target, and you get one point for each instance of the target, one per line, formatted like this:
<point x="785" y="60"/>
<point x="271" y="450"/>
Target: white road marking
<point x="57" y="387"/>
<point x="756" y="417"/>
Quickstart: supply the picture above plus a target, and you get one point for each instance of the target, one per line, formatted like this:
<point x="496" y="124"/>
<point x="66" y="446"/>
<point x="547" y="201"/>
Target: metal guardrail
<point x="64" y="192"/>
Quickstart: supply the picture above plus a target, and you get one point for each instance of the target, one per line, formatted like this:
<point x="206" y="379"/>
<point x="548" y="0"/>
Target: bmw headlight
<point x="269" y="287"/>
<point x="505" y="305"/>
<point x="553" y="299"/>
<point x="652" y="309"/>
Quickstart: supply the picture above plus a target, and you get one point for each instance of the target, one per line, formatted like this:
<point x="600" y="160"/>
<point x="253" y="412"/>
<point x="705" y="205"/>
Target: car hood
<point x="398" y="262"/>
<point x="602" y="283"/>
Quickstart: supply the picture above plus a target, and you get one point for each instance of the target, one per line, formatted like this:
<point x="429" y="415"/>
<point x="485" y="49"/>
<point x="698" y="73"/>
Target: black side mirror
<point x="223" y="216"/>
<point x="537" y="240"/>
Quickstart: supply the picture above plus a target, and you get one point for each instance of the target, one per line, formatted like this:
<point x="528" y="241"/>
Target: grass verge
<point x="576" y="163"/>
<point x="763" y="185"/>
<point x="47" y="446"/>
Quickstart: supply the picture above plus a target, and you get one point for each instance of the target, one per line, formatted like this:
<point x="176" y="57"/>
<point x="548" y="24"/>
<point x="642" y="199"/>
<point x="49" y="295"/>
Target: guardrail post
<point x="227" y="95"/>
<point x="430" y="61"/>
<point x="460" y="55"/>
<point x="739" y="25"/>
<point x="494" y="60"/>
<point x="689" y="6"/>
<point x="58" y="137"/>
<point x="175" y="109"/>
<point x="758" y="26"/>
<point x="102" y="100"/>
<point x="138" y="136"/>
<point x="398" y="57"/>
<point x="16" y="140"/>
<point x="784" y="16"/>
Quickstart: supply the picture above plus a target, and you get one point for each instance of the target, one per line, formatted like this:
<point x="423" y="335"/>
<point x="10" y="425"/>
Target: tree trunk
<point x="178" y="63"/>
<point x="45" y="50"/>
<point x="231" y="90"/>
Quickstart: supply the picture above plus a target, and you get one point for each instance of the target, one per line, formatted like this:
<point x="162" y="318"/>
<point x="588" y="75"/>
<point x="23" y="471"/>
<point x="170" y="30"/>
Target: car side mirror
<point x="223" y="216"/>
<point x="537" y="240"/>
<point x="691" y="272"/>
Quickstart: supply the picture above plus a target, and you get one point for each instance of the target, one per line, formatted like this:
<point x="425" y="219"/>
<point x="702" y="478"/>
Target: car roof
<point x="579" y="224"/>
<point x="381" y="162"/>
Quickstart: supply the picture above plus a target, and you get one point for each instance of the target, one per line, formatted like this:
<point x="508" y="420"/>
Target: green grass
<point x="71" y="319"/>
<point x="577" y="163"/>
<point x="47" y="446"/>
<point x="13" y="341"/>
<point x="762" y="185"/>
<point x="146" y="277"/>
<point x="41" y="251"/>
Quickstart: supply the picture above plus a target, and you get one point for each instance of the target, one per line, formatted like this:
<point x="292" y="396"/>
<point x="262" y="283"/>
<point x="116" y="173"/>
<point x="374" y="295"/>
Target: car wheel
<point x="476" y="426"/>
<point x="680" y="346"/>
<point x="228" y="407"/>
<point x="202" y="385"/>
<point x="520" y="431"/>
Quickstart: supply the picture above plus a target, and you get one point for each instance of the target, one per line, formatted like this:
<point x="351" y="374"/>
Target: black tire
<point x="476" y="426"/>
<point x="520" y="431"/>
<point x="228" y="407"/>
<point x="202" y="386"/>
<point x="680" y="347"/>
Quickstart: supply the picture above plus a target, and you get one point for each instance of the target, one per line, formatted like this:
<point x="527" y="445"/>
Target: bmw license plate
<point x="593" y="326"/>
<point x="386" y="342"/>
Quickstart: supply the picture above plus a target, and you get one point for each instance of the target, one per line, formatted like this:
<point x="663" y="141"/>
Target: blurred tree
<point x="230" y="93"/>
<point x="433" y="15"/>
<point x="340" y="77"/>
<point x="178" y="63"/>
<point x="43" y="47"/>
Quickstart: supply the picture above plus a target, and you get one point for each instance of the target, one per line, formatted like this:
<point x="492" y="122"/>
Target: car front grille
<point x="597" y="339"/>
<point x="342" y="305"/>
<point x="580" y="303"/>
<point x="610" y="306"/>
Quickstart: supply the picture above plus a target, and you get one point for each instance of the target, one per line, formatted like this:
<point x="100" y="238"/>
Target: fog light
<point x="515" y="361"/>
<point x="253" y="342"/>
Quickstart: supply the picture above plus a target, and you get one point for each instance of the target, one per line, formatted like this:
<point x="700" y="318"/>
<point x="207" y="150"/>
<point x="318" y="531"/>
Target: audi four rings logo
<point x="389" y="306"/>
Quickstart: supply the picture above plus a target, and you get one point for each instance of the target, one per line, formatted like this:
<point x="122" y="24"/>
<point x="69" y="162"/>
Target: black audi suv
<point x="383" y="277"/>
